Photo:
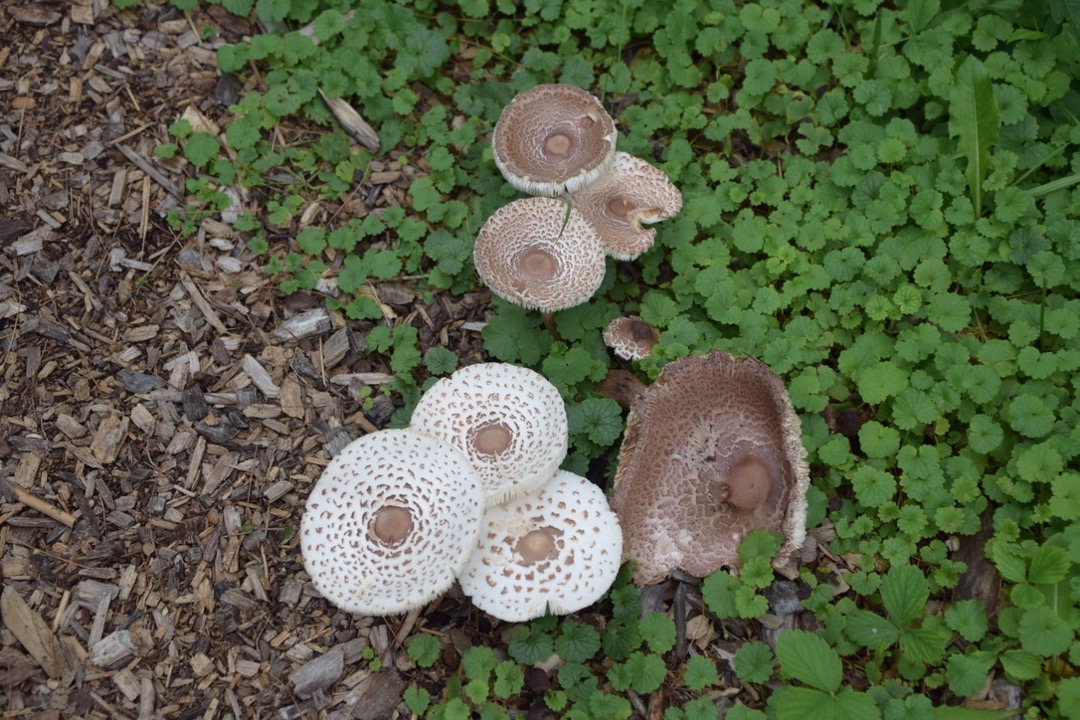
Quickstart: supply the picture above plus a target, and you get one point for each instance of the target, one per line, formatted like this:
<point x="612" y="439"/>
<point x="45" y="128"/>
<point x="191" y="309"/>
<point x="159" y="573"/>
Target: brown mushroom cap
<point x="620" y="201"/>
<point x="540" y="254"/>
<point x="552" y="139"/>
<point x="390" y="522"/>
<point x="712" y="451"/>
<point x="555" y="549"/>
<point x="509" y="420"/>
<point x="630" y="337"/>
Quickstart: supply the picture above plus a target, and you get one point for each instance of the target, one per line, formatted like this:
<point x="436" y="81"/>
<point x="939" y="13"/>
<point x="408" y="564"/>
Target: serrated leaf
<point x="1049" y="565"/>
<point x="974" y="120"/>
<point x="658" y="630"/>
<point x="577" y="642"/>
<point x="809" y="659"/>
<point x="701" y="672"/>
<point x="1021" y="665"/>
<point x="870" y="629"/>
<point x="1008" y="562"/>
<point x="904" y="592"/>
<point x="1044" y="633"/>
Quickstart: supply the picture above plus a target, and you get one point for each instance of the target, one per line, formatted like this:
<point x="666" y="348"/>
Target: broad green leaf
<point x="809" y="659"/>
<point x="974" y="120"/>
<point x="904" y="592"/>
<point x="1044" y="633"/>
<point x="1049" y="565"/>
<point x="870" y="629"/>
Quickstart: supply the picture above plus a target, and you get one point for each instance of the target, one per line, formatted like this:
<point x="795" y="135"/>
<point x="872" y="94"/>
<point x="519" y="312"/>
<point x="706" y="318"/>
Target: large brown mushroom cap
<point x="552" y="139"/>
<point x="712" y="451"/>
<point x="632" y="193"/>
<point x="541" y="254"/>
<point x="390" y="522"/>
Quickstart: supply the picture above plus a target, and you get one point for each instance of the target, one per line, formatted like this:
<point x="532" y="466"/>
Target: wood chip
<point x="32" y="632"/>
<point x="109" y="437"/>
<point x="352" y="121"/>
<point x="304" y="325"/>
<point x="113" y="649"/>
<point x="260" y="377"/>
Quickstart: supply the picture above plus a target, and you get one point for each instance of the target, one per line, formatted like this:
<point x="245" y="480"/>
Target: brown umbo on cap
<point x="630" y="337"/>
<point x="555" y="550"/>
<point x="541" y="254"/>
<point x="712" y="451"/>
<point x="631" y="194"/>
<point x="552" y="139"/>
<point x="390" y="522"/>
<point x="509" y="420"/>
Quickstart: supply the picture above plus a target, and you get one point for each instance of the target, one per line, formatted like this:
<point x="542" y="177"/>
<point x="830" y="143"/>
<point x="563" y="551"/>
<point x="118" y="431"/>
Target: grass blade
<point x="974" y="120"/>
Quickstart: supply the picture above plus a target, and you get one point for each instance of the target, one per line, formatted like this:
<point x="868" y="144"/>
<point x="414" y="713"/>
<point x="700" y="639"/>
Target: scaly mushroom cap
<point x="556" y="549"/>
<point x="620" y="201"/>
<point x="630" y="337"/>
<point x="712" y="450"/>
<point x="390" y="522"/>
<point x="509" y="420"/>
<point x="553" y="139"/>
<point x="535" y="253"/>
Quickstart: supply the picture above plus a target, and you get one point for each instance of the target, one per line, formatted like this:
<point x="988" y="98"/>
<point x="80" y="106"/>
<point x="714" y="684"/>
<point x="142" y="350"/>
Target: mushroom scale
<point x="555" y="550"/>
<point x="540" y="254"/>
<point x="390" y="521"/>
<point x="712" y="451"/>
<point x="509" y="420"/>
<point x="633" y="192"/>
<point x="553" y="138"/>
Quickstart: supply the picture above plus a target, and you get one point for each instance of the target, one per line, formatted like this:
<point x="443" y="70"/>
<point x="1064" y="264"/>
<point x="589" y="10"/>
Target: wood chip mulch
<point x="164" y="410"/>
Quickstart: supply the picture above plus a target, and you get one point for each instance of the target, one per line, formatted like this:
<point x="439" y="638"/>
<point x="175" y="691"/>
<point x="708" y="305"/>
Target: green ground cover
<point x="881" y="202"/>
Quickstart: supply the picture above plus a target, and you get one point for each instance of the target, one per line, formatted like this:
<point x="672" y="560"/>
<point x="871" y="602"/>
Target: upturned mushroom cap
<point x="630" y="337"/>
<point x="535" y="253"/>
<point x="632" y="193"/>
<point x="712" y="450"/>
<point x="552" y="139"/>
<point x="390" y="522"/>
<point x="508" y="420"/>
<point x="556" y="549"/>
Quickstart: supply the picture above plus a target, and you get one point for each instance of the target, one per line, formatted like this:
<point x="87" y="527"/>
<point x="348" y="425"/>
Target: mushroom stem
<point x="622" y="386"/>
<point x="549" y="323"/>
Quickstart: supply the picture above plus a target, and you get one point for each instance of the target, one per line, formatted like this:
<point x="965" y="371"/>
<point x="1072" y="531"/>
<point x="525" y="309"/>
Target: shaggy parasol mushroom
<point x="712" y="451"/>
<point x="390" y="522"/>
<point x="629" y="195"/>
<point x="630" y="337"/>
<point x="554" y="550"/>
<point x="552" y="139"/>
<point x="509" y="420"/>
<point x="540" y="254"/>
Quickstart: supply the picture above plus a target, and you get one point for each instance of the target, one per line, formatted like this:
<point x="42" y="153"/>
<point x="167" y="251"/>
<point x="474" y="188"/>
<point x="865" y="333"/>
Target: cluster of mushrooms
<point x="556" y="142"/>
<point x="470" y="491"/>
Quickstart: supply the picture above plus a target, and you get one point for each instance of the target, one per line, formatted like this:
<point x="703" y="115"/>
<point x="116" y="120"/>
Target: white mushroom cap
<point x="509" y="420"/>
<point x="540" y="254"/>
<point x="619" y="202"/>
<point x="554" y="550"/>
<point x="630" y="337"/>
<point x="552" y="139"/>
<point x="390" y="522"/>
